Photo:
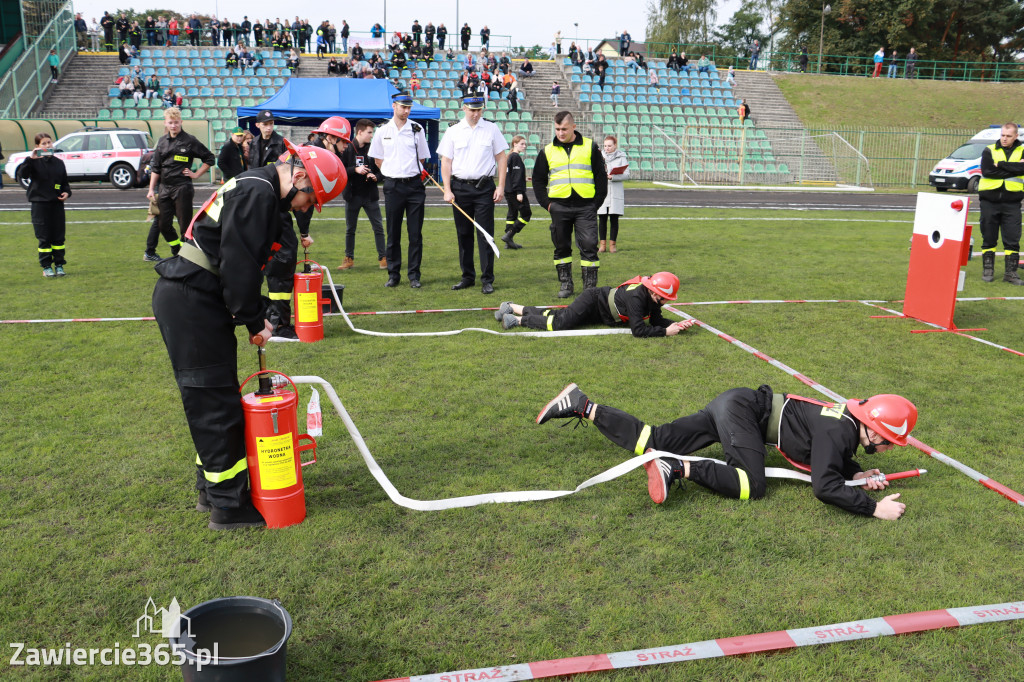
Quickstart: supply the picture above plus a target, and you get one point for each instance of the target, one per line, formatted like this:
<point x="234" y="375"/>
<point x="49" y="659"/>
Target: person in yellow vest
<point x="570" y="181"/>
<point x="1000" y="191"/>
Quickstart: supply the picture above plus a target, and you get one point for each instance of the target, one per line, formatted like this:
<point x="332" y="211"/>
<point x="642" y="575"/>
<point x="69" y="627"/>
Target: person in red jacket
<point x="815" y="436"/>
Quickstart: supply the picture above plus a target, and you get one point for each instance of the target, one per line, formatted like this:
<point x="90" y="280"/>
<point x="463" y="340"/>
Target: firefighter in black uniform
<point x="636" y="303"/>
<point x="48" y="189"/>
<point x="519" y="212"/>
<point x="266" y="149"/>
<point x="815" y="436"/>
<point x="213" y="285"/>
<point x="570" y="181"/>
<point x="107" y="22"/>
<point x="334" y="135"/>
<point x="231" y="159"/>
<point x="171" y="169"/>
<point x="1000" y="191"/>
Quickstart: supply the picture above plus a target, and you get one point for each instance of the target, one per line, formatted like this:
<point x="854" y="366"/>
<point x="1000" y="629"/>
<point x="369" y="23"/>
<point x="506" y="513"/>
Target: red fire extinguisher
<point x="307" y="299"/>
<point x="273" y="447"/>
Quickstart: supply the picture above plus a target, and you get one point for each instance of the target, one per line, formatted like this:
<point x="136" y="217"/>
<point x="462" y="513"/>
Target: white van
<point x="962" y="168"/>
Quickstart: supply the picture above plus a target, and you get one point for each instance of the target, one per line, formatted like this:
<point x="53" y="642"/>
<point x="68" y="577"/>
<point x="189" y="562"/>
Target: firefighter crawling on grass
<point x="815" y="436"/>
<point x="636" y="302"/>
<point x="213" y="285"/>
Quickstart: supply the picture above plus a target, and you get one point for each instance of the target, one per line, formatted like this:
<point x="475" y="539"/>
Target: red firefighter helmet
<point x="326" y="173"/>
<point x="892" y="417"/>
<point x="664" y="284"/>
<point x="337" y="126"/>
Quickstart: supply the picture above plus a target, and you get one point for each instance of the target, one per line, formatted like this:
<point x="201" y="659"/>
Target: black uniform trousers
<point x="1004" y="217"/>
<point x="518" y="212"/>
<point x="280" y="273"/>
<point x="170" y="236"/>
<point x="372" y="207"/>
<point x="738" y="419"/>
<point x="476" y="199"/>
<point x="404" y="198"/>
<point x="174" y="201"/>
<point x="564" y="219"/>
<point x="586" y="309"/>
<point x="49" y="224"/>
<point x="199" y="333"/>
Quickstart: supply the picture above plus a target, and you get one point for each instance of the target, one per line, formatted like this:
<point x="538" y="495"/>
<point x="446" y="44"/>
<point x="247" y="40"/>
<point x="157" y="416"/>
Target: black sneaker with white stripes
<point x="661" y="473"/>
<point x="570" y="403"/>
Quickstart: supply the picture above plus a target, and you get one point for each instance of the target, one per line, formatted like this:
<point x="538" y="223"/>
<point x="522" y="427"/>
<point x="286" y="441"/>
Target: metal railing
<point x="24" y="84"/>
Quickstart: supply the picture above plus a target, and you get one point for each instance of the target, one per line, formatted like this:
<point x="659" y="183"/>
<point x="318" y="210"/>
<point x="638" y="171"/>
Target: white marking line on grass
<point x="989" y="483"/>
<point x="842" y="189"/>
<point x="886" y="626"/>
<point x="873" y="304"/>
<point x="634" y="219"/>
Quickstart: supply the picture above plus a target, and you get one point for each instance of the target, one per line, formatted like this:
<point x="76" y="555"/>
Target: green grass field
<point x="96" y="472"/>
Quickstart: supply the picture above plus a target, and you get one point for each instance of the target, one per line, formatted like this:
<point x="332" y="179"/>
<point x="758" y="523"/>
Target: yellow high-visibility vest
<point x="1012" y="184"/>
<point x="570" y="171"/>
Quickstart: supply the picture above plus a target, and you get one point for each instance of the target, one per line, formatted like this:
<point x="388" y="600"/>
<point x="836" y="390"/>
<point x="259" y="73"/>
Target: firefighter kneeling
<point x="211" y="286"/>
<point x="636" y="302"/>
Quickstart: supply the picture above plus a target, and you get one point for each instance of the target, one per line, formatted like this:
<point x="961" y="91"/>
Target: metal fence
<point x="26" y="82"/>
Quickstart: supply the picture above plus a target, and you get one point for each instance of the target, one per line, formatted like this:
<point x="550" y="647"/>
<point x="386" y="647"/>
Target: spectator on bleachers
<point x="640" y="61"/>
<point x="652" y="78"/>
<point x="684" y="63"/>
<point x="703" y="64"/>
<point x="257" y="34"/>
<point x="133" y="52"/>
<point x="321" y="45"/>
<point x="293" y="60"/>
<point x="755" y="52"/>
<point x="126" y="88"/>
<point x="492" y="64"/>
<point x="450" y="54"/>
<point x="307" y="34"/>
<point x="730" y="77"/>
<point x="139" y="91"/>
<point x="357" y="53"/>
<point x="396" y="41"/>
<point x="486" y="82"/>
<point x="429" y="32"/>
<point x="179" y="99"/>
<point x="556" y="90"/>
<point x="380" y="71"/>
<point x="414" y="84"/>
<point x="485" y="37"/>
<point x="427" y="53"/>
<point x="624" y="41"/>
<point x="152" y="86"/>
<point x="630" y="60"/>
<point x="244" y="29"/>
<point x="513" y="96"/>
<point x="601" y="68"/>
<point x="463" y="83"/>
<point x="377" y="31"/>
<point x="417" y="31"/>
<point x="227" y="32"/>
<point x="526" y="69"/>
<point x="257" y="61"/>
<point x="558" y="42"/>
<point x="332" y="38"/>
<point x="168" y="99"/>
<point x="442" y="34"/>
<point x="333" y="67"/>
<point x="470" y="62"/>
<point x="400" y="86"/>
<point x="81" y="31"/>
<point x="173" y="31"/>
<point x="95" y="31"/>
<point x="231" y="61"/>
<point x="244" y="58"/>
<point x="122" y="25"/>
<point x="551" y="51"/>
<point x="149" y="26"/>
<point x="505" y="64"/>
<point x="465" y="34"/>
<point x="122" y="54"/>
<point x="673" y="63"/>
<point x="398" y="60"/>
<point x="575" y="55"/>
<point x="215" y="32"/>
<point x="744" y="111"/>
<point x="195" y="28"/>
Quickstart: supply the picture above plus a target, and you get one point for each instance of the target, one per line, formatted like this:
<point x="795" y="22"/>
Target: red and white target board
<point x="940" y="246"/>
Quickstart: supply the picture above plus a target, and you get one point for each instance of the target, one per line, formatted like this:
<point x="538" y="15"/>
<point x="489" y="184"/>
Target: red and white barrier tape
<point x="951" y="331"/>
<point x="989" y="483"/>
<point x="744" y="644"/>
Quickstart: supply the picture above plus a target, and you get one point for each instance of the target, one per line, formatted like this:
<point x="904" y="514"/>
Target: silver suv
<point x="113" y="154"/>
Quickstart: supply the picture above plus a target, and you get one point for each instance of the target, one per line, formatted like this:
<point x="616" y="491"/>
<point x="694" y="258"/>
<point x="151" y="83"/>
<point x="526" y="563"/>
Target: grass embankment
<point x="96" y="465"/>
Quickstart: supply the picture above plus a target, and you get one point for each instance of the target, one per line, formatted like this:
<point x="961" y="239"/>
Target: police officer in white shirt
<point x="398" y="147"/>
<point x="471" y="151"/>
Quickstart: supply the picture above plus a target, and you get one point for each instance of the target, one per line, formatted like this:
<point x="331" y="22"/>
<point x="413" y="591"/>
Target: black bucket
<point x="249" y="636"/>
<point x="325" y="292"/>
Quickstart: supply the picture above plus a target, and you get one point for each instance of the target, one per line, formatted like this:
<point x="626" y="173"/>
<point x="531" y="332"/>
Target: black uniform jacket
<point x="263" y="152"/>
<point x="540" y="177"/>
<point x="515" y="177"/>
<point x="358" y="185"/>
<point x="1007" y="170"/>
<point x="635" y="302"/>
<point x="230" y="160"/>
<point x="236" y="233"/>
<point x="826" y="439"/>
<point x="49" y="178"/>
<point x="173" y="155"/>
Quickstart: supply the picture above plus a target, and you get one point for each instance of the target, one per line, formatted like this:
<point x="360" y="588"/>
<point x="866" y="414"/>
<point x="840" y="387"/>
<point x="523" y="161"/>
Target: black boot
<point x="988" y="266"/>
<point x="589" y="278"/>
<point x="507" y="238"/>
<point x="565" y="277"/>
<point x="1011" y="262"/>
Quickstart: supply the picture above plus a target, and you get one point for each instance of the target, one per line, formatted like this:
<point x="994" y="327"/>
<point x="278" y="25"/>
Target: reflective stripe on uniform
<point x="57" y="247"/>
<point x="176" y="242"/>
<point x="992" y="250"/>
<point x="744" y="484"/>
<point x="641" y="442"/>
<point x="562" y="261"/>
<point x="551" y="323"/>
<point x="199" y="462"/>
<point x="279" y="296"/>
<point x="590" y="263"/>
<point x="569" y="170"/>
<point x="213" y="477"/>
<point x="45" y="250"/>
<point x="1011" y="184"/>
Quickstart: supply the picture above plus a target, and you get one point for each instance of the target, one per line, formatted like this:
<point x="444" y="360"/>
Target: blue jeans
<point x="753" y="63"/>
<point x="344" y="45"/>
<point x="892" y="71"/>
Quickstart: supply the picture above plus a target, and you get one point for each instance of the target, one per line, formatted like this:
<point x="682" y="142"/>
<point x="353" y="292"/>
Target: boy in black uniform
<point x="519" y="212"/>
<point x="212" y="286"/>
<point x="636" y="303"/>
<point x="361" y="193"/>
<point x="48" y="189"/>
<point x="171" y="169"/>
<point x="815" y="436"/>
<point x="231" y="159"/>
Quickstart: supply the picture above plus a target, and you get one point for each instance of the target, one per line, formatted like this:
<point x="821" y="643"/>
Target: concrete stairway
<point x="82" y="88"/>
<point x="538" y="91"/>
<point x="784" y="129"/>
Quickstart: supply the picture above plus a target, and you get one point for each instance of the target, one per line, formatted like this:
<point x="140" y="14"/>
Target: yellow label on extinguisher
<point x="276" y="455"/>
<point x="306" y="310"/>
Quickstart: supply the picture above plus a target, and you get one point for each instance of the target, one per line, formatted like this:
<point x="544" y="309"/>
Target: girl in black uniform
<point x="519" y="212"/>
<point x="47" y="191"/>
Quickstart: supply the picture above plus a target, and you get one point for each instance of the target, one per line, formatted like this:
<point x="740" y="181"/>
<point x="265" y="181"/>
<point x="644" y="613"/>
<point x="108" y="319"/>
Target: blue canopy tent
<point x="308" y="101"/>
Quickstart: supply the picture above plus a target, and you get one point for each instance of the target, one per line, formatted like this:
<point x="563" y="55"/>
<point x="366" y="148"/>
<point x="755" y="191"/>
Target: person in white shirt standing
<point x="398" y="148"/>
<point x="471" y="151"/>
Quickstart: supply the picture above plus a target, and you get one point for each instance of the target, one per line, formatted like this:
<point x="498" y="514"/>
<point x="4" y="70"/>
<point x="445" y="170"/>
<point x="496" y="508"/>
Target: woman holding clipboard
<point x="615" y="203"/>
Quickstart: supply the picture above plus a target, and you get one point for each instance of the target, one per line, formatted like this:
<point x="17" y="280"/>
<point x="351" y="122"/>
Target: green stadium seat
<point x="104" y="114"/>
<point x="783" y="168"/>
<point x="131" y="114"/>
<point x="116" y="103"/>
<point x="117" y="114"/>
<point x="533" y="139"/>
<point x="646" y="166"/>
